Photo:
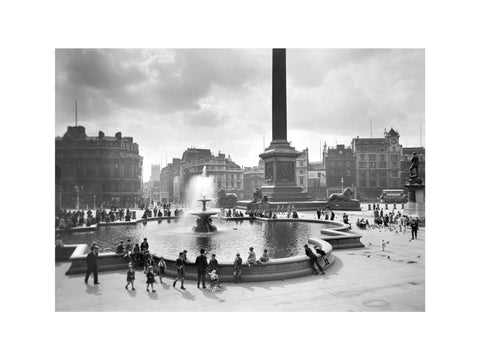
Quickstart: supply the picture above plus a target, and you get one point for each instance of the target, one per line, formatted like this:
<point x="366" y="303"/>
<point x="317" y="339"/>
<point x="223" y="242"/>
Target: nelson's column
<point x="280" y="158"/>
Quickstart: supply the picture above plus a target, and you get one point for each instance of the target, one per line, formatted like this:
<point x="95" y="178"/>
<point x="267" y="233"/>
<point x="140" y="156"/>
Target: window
<point x="372" y="157"/>
<point x="362" y="165"/>
<point x="363" y="175"/>
<point x="349" y="173"/>
<point x="395" y="164"/>
<point x="383" y="174"/>
<point x="372" y="164"/>
<point x="382" y="157"/>
<point x="362" y="157"/>
<point x="373" y="183"/>
<point x="301" y="163"/>
<point x="363" y="183"/>
<point x="382" y="165"/>
<point x="394" y="157"/>
<point x="301" y="181"/>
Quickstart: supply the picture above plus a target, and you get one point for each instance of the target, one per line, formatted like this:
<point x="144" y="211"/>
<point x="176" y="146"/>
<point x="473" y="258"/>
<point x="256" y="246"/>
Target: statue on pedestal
<point x="414" y="179"/>
<point x="414" y="167"/>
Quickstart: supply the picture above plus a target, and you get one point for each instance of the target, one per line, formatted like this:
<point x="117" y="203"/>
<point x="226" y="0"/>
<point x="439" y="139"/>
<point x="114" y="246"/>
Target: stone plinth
<point x="280" y="164"/>
<point x="415" y="206"/>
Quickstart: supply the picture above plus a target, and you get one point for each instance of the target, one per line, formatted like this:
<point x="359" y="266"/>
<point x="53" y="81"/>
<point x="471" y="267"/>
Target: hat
<point x="238" y="254"/>
<point x="306" y="245"/>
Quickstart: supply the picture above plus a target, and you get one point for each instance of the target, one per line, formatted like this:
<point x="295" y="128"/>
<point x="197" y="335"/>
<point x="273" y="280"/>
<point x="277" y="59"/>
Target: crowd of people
<point x="66" y="219"/>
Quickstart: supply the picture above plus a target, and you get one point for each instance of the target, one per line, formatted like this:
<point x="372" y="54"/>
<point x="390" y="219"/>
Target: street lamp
<point x="342" y="183"/>
<point x="94" y="198"/>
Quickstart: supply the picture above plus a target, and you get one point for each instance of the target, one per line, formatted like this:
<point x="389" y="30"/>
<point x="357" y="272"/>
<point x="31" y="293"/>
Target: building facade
<point x="168" y="174"/>
<point x="175" y="176"/>
<point x="378" y="165"/>
<point x="227" y="174"/>
<point x="97" y="171"/>
<point x="253" y="177"/>
<point x="340" y="168"/>
<point x="317" y="180"/>
<point x="302" y="170"/>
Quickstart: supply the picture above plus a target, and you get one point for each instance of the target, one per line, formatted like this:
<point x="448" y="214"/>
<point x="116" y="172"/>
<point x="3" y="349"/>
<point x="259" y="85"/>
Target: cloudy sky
<point x="168" y="100"/>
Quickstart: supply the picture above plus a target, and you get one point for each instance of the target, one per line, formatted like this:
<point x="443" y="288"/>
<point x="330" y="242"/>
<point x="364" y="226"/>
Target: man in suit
<point x="202" y="264"/>
<point x="92" y="265"/>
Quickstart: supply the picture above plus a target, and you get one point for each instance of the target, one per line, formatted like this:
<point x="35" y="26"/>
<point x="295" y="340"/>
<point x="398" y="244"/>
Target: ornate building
<point x="96" y="171"/>
<point x="302" y="170"/>
<point x="340" y="169"/>
<point x="377" y="164"/>
<point x="227" y="174"/>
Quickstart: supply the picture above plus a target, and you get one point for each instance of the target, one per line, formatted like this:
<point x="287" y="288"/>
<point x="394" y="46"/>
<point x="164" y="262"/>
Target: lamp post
<point x="342" y="183"/>
<point x="94" y="203"/>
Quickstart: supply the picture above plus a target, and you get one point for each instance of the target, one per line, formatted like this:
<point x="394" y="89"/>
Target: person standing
<point x="162" y="265"/>
<point x="150" y="278"/>
<point x="332" y="216"/>
<point x="180" y="265"/>
<point x="237" y="268"/>
<point x="202" y="265"/>
<point x="414" y="227"/>
<point x="130" y="277"/>
<point x="313" y="260"/>
<point x="92" y="265"/>
<point x="319" y="213"/>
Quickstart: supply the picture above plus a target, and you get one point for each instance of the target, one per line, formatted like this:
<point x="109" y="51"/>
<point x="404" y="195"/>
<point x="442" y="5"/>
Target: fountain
<point x="203" y="184"/>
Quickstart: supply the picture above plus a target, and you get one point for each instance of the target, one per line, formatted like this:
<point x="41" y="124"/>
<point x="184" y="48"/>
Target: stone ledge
<point x="275" y="269"/>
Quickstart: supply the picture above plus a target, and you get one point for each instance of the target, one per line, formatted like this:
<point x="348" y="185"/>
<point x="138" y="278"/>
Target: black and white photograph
<point x="221" y="179"/>
<point x="240" y="179"/>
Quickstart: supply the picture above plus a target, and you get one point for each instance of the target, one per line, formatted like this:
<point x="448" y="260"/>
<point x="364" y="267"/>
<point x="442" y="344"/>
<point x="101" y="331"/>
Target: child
<point x="162" y="265"/>
<point x="213" y="280"/>
<point x="237" y="268"/>
<point x="150" y="278"/>
<point x="130" y="277"/>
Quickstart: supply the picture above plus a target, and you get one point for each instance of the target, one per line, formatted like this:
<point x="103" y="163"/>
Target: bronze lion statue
<point x="226" y="200"/>
<point x="345" y="196"/>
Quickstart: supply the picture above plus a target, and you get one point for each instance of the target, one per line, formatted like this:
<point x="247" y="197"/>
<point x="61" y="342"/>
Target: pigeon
<point x="388" y="257"/>
<point x="418" y="256"/>
<point x="388" y="242"/>
<point x="368" y="255"/>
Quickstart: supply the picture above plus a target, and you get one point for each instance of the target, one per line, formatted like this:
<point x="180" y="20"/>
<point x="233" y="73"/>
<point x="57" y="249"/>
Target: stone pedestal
<point x="415" y="206"/>
<point x="280" y="164"/>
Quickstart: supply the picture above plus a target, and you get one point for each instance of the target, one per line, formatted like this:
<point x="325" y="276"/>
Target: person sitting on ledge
<point x="294" y="215"/>
<point x="323" y="254"/>
<point x="313" y="260"/>
<point x="264" y="258"/>
<point x="128" y="247"/>
<point x="252" y="258"/>
<point x="144" y="245"/>
<point x="120" y="248"/>
<point x="137" y="253"/>
<point x="213" y="264"/>
<point x="159" y="213"/>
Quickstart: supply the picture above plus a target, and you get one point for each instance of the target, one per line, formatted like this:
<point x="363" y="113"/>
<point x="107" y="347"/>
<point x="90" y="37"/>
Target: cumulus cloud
<point x="168" y="99"/>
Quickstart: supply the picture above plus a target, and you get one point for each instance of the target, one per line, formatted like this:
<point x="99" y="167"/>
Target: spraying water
<point x="199" y="187"/>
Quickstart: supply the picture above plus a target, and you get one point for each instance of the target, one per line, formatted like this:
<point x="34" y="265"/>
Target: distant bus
<point x="390" y="196"/>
